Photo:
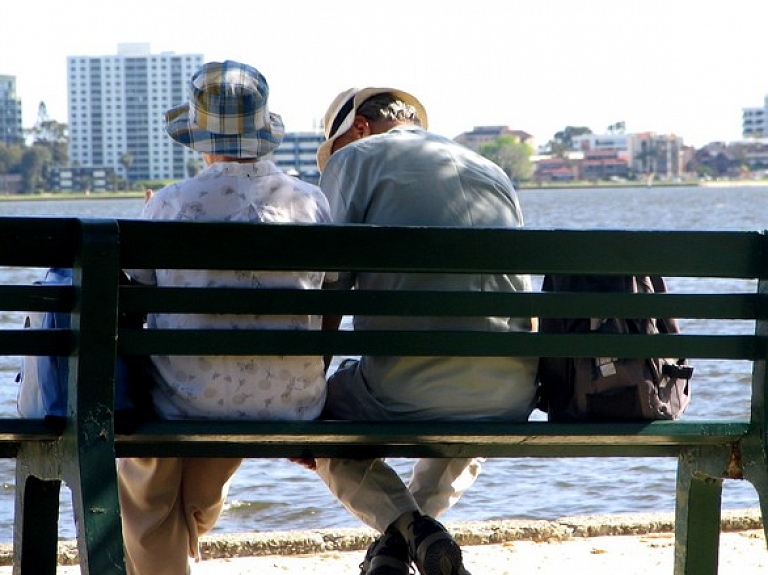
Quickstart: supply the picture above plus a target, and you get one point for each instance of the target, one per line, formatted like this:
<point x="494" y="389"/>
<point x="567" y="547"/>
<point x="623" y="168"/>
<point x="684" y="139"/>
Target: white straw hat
<point x="341" y="114"/>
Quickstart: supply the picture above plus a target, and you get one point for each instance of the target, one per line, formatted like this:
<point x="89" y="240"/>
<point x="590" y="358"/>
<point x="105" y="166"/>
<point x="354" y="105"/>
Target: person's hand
<point x="306" y="462"/>
<point x="148" y="193"/>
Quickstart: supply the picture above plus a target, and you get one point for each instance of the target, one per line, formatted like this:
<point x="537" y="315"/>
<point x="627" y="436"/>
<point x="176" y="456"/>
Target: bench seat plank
<point x="428" y="439"/>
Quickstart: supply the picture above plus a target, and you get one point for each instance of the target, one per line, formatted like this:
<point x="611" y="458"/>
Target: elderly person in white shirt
<point x="167" y="503"/>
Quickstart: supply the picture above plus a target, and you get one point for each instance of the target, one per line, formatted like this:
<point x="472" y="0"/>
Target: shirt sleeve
<point x="343" y="184"/>
<point x="144" y="276"/>
<point x="339" y="185"/>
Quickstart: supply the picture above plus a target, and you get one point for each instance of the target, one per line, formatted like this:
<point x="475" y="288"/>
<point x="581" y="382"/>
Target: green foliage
<point x="194" y="166"/>
<point x="510" y="155"/>
<point x="53" y="136"/>
<point x="562" y="141"/>
<point x="126" y="160"/>
<point x="49" y="149"/>
<point x="86" y="182"/>
<point x="114" y="181"/>
<point x="10" y="159"/>
<point x="648" y="157"/>
<point x="34" y="168"/>
<point x="152" y="184"/>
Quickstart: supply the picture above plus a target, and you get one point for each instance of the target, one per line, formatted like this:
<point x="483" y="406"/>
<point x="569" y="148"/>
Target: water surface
<point x="274" y="495"/>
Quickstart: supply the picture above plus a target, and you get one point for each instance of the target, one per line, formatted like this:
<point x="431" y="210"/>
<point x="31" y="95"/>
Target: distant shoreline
<point x="51" y="196"/>
<point x="635" y="184"/>
<point x="735" y="183"/>
<point x="528" y="186"/>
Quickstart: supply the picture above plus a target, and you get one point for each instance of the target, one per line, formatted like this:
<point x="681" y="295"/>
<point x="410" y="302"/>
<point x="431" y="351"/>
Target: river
<point x="275" y="495"/>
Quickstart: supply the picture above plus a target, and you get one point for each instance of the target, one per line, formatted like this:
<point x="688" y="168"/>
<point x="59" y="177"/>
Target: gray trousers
<point x="372" y="490"/>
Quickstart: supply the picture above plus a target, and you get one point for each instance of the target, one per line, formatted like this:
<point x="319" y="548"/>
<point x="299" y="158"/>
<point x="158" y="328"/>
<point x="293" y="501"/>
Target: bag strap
<point x="666" y="325"/>
<point x="656" y="284"/>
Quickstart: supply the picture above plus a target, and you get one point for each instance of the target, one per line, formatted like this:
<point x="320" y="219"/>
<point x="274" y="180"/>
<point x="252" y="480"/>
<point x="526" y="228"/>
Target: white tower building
<point x="755" y="122"/>
<point x="116" y="106"/>
<point x="10" y="112"/>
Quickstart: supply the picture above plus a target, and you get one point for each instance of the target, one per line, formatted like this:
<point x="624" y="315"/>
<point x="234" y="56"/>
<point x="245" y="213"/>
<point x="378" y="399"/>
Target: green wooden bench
<point x="708" y="452"/>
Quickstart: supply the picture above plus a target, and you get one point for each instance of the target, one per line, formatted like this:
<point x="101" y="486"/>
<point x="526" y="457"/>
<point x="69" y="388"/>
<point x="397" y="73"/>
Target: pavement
<point x="742" y="553"/>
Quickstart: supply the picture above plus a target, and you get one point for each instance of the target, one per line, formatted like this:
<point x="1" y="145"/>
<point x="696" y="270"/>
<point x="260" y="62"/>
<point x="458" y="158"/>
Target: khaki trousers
<point x="166" y="505"/>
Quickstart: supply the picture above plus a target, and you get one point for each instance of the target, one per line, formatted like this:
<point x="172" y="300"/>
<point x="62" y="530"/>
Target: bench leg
<point x="97" y="514"/>
<point x="755" y="462"/>
<point x="697" y="513"/>
<point x="36" y="532"/>
<point x="36" y="511"/>
<point x="88" y="441"/>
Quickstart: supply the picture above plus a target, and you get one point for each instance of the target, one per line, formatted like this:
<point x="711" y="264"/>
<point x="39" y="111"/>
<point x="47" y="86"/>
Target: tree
<point x="126" y="160"/>
<point x="86" y="182"/>
<point x="648" y="157"/>
<point x="114" y="181"/>
<point x="562" y="141"/>
<point x="193" y="167"/>
<point x="703" y="171"/>
<point x="34" y="164"/>
<point x="510" y="155"/>
<point x="10" y="159"/>
<point x="714" y="159"/>
<point x="52" y="135"/>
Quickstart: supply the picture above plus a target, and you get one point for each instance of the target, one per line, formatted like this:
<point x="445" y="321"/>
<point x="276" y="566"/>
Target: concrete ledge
<point x="466" y="533"/>
<point x="225" y="546"/>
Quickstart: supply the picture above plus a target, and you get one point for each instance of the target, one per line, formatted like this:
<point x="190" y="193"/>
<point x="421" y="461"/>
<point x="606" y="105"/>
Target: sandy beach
<point x="633" y="544"/>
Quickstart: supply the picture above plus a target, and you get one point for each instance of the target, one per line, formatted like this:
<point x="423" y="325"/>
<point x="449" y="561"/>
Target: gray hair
<point x="388" y="107"/>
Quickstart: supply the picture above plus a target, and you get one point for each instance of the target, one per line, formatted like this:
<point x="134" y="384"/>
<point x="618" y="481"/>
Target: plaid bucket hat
<point x="341" y="114"/>
<point x="227" y="113"/>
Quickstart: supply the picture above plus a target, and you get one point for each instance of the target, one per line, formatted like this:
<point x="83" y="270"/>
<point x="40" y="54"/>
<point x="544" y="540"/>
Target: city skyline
<point x="685" y="68"/>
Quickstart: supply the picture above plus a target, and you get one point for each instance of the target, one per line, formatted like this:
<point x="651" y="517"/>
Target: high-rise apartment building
<point x="755" y="122"/>
<point x="10" y="112"/>
<point x="116" y="106"/>
<point x="297" y="154"/>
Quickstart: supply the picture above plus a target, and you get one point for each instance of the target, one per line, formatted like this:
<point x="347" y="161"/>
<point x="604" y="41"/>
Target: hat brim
<point x="324" y="149"/>
<point x="249" y="145"/>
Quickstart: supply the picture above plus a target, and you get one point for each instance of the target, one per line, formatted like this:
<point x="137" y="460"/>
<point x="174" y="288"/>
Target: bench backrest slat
<point x="38" y="242"/>
<point x="337" y="248"/>
<point x="414" y="343"/>
<point x="369" y="302"/>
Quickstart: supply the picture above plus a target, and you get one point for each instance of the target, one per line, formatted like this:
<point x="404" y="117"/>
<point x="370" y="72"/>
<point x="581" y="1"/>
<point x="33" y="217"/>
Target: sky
<point x="684" y="67"/>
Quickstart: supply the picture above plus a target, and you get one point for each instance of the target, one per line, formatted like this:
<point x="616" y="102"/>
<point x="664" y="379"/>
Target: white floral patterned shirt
<point x="237" y="387"/>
